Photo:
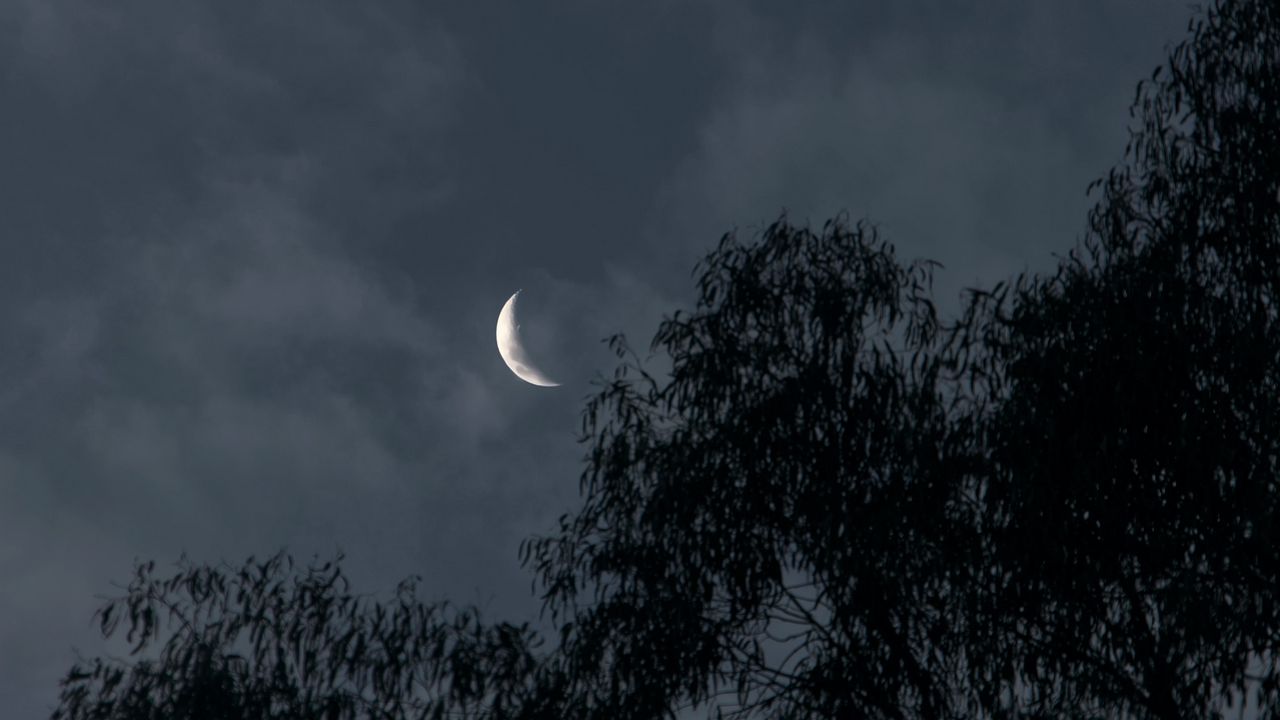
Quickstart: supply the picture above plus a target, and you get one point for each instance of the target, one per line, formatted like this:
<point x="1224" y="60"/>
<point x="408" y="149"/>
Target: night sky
<point x="252" y="254"/>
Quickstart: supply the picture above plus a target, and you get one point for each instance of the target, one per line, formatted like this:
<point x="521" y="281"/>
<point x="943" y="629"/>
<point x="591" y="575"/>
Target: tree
<point x="1063" y="503"/>
<point x="273" y="640"/>
<point x="774" y="519"/>
<point x="1131" y="499"/>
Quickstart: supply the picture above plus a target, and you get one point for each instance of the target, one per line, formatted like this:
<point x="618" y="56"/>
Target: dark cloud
<point x="251" y="254"/>
<point x="968" y="136"/>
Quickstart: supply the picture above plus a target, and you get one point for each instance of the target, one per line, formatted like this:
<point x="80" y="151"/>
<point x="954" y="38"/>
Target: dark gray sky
<point x="251" y="254"/>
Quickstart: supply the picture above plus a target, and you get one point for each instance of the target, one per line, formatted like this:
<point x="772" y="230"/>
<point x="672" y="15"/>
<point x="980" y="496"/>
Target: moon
<point x="512" y="351"/>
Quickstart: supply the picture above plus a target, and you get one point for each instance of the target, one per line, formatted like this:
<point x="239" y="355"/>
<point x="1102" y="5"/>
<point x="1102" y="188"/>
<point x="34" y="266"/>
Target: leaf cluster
<point x="271" y="640"/>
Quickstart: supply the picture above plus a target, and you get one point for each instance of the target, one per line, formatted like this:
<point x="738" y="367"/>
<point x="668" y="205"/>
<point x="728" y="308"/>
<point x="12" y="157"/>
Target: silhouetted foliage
<point x="1133" y="427"/>
<point x="268" y="640"/>
<point x="773" y="521"/>
<point x="1063" y="503"/>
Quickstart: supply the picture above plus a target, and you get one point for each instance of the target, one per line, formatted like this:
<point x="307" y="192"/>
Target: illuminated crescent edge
<point x="511" y="349"/>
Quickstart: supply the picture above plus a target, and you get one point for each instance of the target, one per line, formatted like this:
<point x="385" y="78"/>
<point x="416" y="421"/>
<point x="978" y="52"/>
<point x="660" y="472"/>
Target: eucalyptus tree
<point x="273" y="639"/>
<point x="771" y="526"/>
<point x="1062" y="504"/>
<point x="1131" y="500"/>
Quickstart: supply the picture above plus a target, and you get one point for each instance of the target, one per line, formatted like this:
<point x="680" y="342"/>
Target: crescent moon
<point x="512" y="351"/>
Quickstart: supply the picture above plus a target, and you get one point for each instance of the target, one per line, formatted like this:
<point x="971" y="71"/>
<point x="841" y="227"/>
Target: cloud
<point x="252" y="254"/>
<point x="197" y="353"/>
<point x="948" y="138"/>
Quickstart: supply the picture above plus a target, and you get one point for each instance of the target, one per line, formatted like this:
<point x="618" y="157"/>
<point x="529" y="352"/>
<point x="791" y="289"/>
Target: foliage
<point x="269" y="640"/>
<point x="772" y="521"/>
<point x="1062" y="505"/>
<point x="1130" y="504"/>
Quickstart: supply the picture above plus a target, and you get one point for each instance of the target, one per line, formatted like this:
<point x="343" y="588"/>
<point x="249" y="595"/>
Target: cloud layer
<point x="251" y="255"/>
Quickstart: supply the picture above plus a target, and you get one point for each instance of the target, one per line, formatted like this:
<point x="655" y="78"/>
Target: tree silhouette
<point x="1131" y="495"/>
<point x="774" y="519"/>
<point x="272" y="640"/>
<point x="1063" y="503"/>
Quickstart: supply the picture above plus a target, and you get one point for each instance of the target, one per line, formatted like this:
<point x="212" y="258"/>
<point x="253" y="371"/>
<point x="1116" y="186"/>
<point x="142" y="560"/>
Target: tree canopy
<point x="1061" y="503"/>
<point x="270" y="639"/>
